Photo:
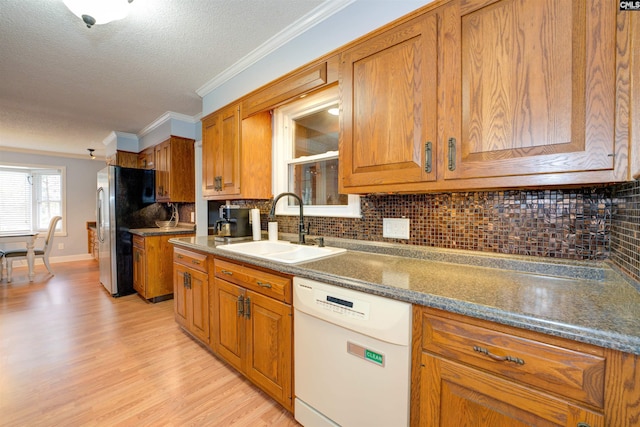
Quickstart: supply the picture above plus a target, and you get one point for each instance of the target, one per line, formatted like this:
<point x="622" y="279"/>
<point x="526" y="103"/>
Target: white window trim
<point x="63" y="176"/>
<point x="283" y="157"/>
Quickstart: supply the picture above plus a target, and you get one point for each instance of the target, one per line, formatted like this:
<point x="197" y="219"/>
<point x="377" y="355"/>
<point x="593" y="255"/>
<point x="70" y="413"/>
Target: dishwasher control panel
<point x="343" y="305"/>
<point x="372" y="315"/>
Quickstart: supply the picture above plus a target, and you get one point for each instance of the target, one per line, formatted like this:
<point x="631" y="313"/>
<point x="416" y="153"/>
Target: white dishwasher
<point x="352" y="357"/>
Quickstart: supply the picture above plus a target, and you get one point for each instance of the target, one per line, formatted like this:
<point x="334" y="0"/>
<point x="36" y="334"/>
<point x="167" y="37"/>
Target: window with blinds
<point x="30" y="197"/>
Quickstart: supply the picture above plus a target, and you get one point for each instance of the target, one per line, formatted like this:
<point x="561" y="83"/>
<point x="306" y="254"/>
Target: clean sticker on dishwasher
<point x="365" y="353"/>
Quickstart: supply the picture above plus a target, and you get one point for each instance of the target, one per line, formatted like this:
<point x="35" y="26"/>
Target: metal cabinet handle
<point x="227" y="272"/>
<point x="582" y="424"/>
<point x="240" y="305"/>
<point x="186" y="277"/>
<point x="497" y="358"/>
<point x="247" y="307"/>
<point x="264" y="284"/>
<point x="452" y="154"/>
<point x="428" y="156"/>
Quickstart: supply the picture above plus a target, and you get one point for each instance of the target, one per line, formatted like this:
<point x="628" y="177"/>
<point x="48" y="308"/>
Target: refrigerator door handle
<point x="100" y="224"/>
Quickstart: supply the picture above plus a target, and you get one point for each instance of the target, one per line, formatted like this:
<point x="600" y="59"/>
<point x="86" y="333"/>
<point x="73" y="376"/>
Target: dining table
<point x="29" y="238"/>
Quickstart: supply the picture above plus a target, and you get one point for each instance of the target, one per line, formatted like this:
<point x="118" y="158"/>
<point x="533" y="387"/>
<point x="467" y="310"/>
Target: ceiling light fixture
<point x="91" y="150"/>
<point x="96" y="12"/>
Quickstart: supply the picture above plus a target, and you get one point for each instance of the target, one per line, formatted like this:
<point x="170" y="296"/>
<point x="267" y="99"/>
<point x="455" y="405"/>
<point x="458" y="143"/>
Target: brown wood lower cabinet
<point x="251" y="323"/>
<point x="477" y="373"/>
<point x="191" y="292"/>
<point x="152" y="266"/>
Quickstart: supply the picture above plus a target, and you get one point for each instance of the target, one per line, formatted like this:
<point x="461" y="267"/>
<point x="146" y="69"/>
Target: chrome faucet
<point x="272" y="215"/>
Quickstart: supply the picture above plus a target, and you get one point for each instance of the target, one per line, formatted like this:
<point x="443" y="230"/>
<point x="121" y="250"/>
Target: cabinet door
<point x="199" y="304"/>
<point x="139" y="271"/>
<point x="181" y="170"/>
<point x="146" y="158"/>
<point x="268" y="357"/>
<point x="221" y="152"/>
<point x="529" y="90"/>
<point x="388" y="94"/>
<point x="228" y="322"/>
<point x="180" y="302"/>
<point x="455" y="395"/>
<point x="163" y="159"/>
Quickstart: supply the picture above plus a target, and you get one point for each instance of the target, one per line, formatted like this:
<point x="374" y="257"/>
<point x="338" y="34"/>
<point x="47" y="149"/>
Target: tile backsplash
<point x="625" y="230"/>
<point x="594" y="223"/>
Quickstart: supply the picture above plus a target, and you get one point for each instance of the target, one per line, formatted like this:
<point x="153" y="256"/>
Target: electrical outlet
<point x="60" y="245"/>
<point x="395" y="228"/>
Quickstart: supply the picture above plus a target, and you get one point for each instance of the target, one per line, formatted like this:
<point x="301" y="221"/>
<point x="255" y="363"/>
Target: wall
<point x="81" y="200"/>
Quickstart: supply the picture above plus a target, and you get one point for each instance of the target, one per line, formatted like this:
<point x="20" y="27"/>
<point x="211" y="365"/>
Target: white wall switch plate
<point x="395" y="228"/>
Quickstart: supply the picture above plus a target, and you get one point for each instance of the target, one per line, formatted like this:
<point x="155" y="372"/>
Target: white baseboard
<point x="55" y="260"/>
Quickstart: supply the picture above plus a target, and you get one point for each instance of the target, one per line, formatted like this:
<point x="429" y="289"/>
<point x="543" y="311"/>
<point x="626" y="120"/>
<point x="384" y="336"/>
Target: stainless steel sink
<point x="281" y="251"/>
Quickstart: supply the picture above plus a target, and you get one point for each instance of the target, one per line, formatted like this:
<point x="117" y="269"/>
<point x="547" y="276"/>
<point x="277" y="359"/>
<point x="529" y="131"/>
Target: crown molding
<point x="167" y="117"/>
<point x="308" y="21"/>
<point x="114" y="135"/>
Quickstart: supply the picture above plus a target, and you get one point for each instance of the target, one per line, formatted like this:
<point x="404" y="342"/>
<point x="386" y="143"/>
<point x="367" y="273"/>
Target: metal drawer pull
<point x="495" y="357"/>
<point x="180" y="256"/>
<point x="227" y="272"/>
<point x="194" y="261"/>
<point x="264" y="284"/>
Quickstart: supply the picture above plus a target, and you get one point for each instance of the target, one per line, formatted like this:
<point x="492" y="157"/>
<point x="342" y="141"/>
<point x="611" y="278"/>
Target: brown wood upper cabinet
<point x="175" y="170"/>
<point x="295" y="84"/>
<point x="389" y="107"/>
<point x="236" y="155"/>
<point x="531" y="90"/>
<point x="126" y="159"/>
<point x="508" y="93"/>
<point x="146" y="158"/>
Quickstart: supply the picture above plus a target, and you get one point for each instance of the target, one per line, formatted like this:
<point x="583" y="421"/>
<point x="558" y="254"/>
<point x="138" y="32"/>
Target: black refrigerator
<point x="123" y="201"/>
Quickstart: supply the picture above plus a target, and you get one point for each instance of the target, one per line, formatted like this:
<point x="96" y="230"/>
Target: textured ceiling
<point x="64" y="88"/>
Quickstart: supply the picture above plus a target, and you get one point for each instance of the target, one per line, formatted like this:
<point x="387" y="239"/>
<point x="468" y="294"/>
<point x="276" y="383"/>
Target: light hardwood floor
<point x="71" y="355"/>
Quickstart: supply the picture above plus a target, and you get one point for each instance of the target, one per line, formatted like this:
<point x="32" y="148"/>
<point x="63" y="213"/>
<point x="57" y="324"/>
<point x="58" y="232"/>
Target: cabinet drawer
<point x="268" y="284"/>
<point x="569" y="373"/>
<point x="138" y="241"/>
<point x="194" y="260"/>
<point x="230" y="272"/>
<point x="274" y="286"/>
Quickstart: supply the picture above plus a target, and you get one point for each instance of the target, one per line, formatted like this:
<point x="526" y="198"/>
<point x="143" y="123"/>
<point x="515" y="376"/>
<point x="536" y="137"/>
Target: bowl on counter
<point x="166" y="224"/>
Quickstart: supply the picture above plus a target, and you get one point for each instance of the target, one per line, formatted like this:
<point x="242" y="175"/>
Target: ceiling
<point x="64" y="87"/>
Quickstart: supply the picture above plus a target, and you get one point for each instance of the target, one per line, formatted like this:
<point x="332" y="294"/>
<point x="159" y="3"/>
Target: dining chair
<point x="18" y="254"/>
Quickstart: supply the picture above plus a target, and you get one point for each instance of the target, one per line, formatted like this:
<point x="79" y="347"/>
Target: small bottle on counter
<point x="273" y="230"/>
<point x="255" y="224"/>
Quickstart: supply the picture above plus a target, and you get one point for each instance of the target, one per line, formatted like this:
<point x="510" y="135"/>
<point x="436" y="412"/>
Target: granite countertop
<point x="589" y="302"/>
<point x="157" y="231"/>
